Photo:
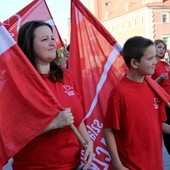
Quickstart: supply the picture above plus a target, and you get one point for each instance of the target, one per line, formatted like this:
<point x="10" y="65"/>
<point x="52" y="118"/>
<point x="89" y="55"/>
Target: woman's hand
<point x="88" y="156"/>
<point x="64" y="118"/>
<point x="164" y="76"/>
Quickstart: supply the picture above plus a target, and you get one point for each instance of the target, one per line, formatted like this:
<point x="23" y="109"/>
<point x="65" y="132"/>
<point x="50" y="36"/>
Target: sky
<point x="60" y="10"/>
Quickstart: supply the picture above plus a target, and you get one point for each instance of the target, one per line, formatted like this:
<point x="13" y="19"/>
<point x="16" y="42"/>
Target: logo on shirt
<point x="156" y="102"/>
<point x="69" y="90"/>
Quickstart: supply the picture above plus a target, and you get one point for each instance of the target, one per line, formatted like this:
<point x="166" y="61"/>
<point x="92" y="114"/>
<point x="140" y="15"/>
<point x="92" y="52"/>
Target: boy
<point x="134" y="116"/>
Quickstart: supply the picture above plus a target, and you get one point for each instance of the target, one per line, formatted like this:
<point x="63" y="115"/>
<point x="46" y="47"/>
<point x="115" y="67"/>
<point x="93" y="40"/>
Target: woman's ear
<point x="134" y="63"/>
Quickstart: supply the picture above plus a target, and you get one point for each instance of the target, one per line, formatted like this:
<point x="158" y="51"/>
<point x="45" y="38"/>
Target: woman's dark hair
<point x="68" y="48"/>
<point x="134" y="48"/>
<point x="25" y="42"/>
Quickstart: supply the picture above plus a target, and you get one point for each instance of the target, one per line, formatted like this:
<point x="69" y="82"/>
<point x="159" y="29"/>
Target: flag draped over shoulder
<point x="27" y="105"/>
<point x="97" y="64"/>
<point x="158" y="89"/>
<point x="37" y="9"/>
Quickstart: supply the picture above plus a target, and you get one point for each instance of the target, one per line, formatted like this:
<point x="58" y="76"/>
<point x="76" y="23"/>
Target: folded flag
<point x="37" y="9"/>
<point x="27" y="105"/>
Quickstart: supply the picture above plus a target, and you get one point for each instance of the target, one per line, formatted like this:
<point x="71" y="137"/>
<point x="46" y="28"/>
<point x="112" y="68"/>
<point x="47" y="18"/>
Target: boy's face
<point x="146" y="66"/>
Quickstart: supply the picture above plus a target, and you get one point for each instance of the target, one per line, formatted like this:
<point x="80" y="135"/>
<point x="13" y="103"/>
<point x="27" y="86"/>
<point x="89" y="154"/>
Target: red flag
<point x="96" y="62"/>
<point x="27" y="105"/>
<point x="98" y="66"/>
<point x="158" y="89"/>
<point x="37" y="9"/>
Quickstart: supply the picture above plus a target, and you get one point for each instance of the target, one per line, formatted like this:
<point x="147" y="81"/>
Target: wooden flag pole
<point x="80" y="138"/>
<point x="76" y="132"/>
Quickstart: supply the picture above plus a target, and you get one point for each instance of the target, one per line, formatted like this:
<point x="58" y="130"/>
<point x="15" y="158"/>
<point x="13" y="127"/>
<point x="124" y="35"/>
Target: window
<point x="165" y="39"/>
<point x="107" y="3"/>
<point x="165" y="17"/>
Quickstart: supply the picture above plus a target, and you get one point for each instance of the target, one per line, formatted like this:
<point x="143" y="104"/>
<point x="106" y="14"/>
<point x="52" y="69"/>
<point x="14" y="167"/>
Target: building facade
<point x="127" y="18"/>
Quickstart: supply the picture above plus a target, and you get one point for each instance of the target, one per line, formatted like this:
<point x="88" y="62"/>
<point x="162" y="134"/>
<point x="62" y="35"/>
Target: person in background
<point x="62" y="57"/>
<point x="162" y="77"/>
<point x="57" y="147"/>
<point x="135" y="113"/>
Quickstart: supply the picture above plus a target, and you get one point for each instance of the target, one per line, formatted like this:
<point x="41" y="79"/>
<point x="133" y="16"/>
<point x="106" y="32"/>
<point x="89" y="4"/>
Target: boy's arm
<point x="112" y="147"/>
<point x="165" y="128"/>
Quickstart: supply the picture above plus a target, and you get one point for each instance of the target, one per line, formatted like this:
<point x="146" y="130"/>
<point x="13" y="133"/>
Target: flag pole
<point x="80" y="138"/>
<point x="76" y="132"/>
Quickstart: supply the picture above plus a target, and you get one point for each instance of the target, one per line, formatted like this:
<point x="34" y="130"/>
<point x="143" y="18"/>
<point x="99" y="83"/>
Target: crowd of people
<point x="136" y="116"/>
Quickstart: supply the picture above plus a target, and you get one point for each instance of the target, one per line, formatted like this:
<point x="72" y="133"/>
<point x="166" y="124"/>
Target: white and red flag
<point x="27" y="105"/>
<point x="96" y="62"/>
<point x="37" y="9"/>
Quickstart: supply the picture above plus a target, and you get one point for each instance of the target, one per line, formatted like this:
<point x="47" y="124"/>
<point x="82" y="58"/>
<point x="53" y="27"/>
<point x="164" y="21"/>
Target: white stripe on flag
<point x="110" y="60"/>
<point x="6" y="41"/>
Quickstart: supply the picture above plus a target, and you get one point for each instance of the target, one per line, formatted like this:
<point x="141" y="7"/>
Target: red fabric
<point x="163" y="67"/>
<point x="136" y="115"/>
<point x="97" y="65"/>
<point x="158" y="89"/>
<point x="27" y="105"/>
<point x="58" y="149"/>
<point x="37" y="9"/>
<point x="67" y="94"/>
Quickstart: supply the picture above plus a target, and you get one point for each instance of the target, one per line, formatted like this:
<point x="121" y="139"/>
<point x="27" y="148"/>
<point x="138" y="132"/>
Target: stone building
<point x="126" y="18"/>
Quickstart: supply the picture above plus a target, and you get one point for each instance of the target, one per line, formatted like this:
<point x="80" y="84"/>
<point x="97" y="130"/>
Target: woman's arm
<point x="163" y="76"/>
<point x="88" y="157"/>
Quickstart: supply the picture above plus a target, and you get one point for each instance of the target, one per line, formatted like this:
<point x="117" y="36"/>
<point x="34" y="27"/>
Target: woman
<point x="162" y="76"/>
<point x="56" y="147"/>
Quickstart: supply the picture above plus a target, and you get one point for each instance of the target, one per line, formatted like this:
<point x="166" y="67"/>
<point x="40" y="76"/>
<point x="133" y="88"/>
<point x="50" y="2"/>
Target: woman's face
<point x="44" y="45"/>
<point x="160" y="50"/>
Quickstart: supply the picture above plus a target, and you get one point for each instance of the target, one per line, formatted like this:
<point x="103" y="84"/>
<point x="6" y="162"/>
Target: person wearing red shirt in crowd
<point x="135" y="113"/>
<point x="162" y="77"/>
<point x="57" y="147"/>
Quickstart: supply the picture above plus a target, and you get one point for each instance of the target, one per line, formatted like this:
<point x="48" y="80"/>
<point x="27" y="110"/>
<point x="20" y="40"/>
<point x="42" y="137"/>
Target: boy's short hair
<point x="134" y="48"/>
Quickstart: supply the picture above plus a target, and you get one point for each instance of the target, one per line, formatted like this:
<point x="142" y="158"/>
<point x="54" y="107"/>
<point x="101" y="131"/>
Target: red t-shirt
<point x="60" y="148"/>
<point x="134" y="113"/>
<point x="163" y="67"/>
